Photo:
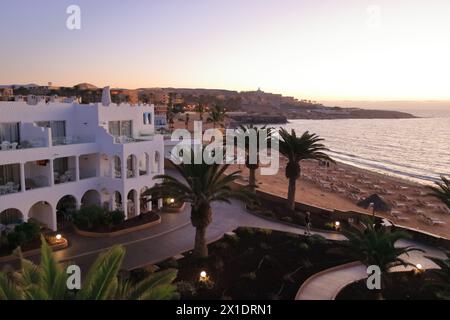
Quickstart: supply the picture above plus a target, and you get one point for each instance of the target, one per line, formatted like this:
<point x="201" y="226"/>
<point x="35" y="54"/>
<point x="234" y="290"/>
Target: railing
<point x="25" y="144"/>
<point x="9" y="188"/>
<point x="69" y="140"/>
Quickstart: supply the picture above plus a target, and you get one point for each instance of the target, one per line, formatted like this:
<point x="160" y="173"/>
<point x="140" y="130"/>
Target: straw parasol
<point x="377" y="203"/>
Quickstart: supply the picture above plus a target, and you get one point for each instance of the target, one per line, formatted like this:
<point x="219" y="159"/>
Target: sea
<point x="417" y="149"/>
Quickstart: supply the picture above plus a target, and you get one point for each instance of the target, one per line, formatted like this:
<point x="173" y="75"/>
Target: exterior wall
<point x="100" y="149"/>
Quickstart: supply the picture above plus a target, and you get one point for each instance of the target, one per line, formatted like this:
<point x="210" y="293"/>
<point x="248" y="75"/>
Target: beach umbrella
<point x="377" y="203"/>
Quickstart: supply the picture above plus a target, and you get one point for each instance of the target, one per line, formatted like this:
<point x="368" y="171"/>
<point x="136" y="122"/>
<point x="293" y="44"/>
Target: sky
<point x="319" y="50"/>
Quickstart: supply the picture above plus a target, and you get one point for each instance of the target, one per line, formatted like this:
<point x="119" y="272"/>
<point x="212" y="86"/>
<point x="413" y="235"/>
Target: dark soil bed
<point x="401" y="286"/>
<point x="35" y="244"/>
<point x="255" y="264"/>
<point x="143" y="218"/>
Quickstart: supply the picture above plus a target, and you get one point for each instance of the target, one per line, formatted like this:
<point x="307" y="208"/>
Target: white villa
<point x="52" y="153"/>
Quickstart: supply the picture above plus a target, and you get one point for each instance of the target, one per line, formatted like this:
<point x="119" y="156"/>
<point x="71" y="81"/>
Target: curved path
<point x="327" y="284"/>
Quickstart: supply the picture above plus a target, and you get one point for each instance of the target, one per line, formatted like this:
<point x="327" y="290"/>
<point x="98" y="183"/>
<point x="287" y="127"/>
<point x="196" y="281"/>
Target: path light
<point x="58" y="237"/>
<point x="203" y="276"/>
<point x="172" y="200"/>
<point x="337" y="224"/>
<point x="419" y="269"/>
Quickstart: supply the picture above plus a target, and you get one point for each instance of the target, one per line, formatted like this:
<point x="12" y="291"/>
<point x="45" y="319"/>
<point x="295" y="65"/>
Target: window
<point x="120" y="128"/>
<point x="58" y="128"/>
<point x="9" y="132"/>
<point x="147" y="118"/>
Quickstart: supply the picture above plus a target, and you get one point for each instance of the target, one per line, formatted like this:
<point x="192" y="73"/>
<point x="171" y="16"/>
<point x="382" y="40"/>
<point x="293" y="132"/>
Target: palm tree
<point x="443" y="274"/>
<point x="201" y="185"/>
<point x="48" y="280"/>
<point x="217" y="115"/>
<point x="375" y="245"/>
<point x="442" y="191"/>
<point x="200" y="109"/>
<point x="170" y="117"/>
<point x="259" y="132"/>
<point x="295" y="149"/>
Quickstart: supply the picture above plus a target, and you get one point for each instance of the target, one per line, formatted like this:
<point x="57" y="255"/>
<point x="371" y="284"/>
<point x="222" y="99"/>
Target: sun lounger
<point x="397" y="215"/>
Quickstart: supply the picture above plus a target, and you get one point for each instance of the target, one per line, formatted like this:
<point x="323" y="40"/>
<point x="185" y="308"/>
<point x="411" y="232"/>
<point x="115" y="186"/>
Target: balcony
<point x="71" y="140"/>
<point x="9" y="179"/>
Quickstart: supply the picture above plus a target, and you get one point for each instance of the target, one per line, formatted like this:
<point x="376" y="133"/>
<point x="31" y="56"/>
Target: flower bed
<point x="401" y="286"/>
<point x="143" y="221"/>
<point x="255" y="264"/>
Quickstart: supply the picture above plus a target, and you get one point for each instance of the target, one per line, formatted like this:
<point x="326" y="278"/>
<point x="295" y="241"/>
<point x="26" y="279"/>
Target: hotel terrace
<point x="58" y="153"/>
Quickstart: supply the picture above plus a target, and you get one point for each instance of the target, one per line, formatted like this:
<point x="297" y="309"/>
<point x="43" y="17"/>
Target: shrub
<point x="303" y="246"/>
<point x="90" y="217"/>
<point x="31" y="230"/>
<point x="329" y="226"/>
<point x="265" y="232"/>
<point x="169" y="264"/>
<point x="233" y="238"/>
<point x="187" y="289"/>
<point x="245" y="231"/>
<point x="316" y="240"/>
<point x="16" y="239"/>
<point x="287" y="219"/>
<point x="117" y="217"/>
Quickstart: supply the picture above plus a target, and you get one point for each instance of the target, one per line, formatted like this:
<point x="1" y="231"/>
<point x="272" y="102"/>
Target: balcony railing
<point x="10" y="187"/>
<point x="25" y="144"/>
<point x="69" y="140"/>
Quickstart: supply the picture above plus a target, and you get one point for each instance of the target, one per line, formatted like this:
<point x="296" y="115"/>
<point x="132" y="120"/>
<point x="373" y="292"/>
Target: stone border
<point x="113" y="234"/>
<point x="34" y="252"/>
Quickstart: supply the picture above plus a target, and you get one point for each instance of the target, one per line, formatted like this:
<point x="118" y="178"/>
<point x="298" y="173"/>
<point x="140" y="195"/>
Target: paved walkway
<point x="174" y="235"/>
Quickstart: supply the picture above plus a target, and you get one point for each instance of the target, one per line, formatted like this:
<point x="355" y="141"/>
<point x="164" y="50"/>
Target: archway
<point x="116" y="167"/>
<point x="132" y="201"/>
<point x="131" y="166"/>
<point x="91" y="198"/>
<point x="144" y="164"/>
<point x="43" y="214"/>
<point x="157" y="163"/>
<point x="11" y="215"/>
<point x="117" y="198"/>
<point x="65" y="208"/>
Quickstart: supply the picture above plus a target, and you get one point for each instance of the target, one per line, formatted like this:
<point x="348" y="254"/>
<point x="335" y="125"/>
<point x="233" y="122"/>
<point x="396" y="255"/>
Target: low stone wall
<point x="112" y="234"/>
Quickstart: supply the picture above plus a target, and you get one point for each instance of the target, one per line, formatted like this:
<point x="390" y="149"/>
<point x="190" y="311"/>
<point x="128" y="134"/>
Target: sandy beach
<point x="340" y="186"/>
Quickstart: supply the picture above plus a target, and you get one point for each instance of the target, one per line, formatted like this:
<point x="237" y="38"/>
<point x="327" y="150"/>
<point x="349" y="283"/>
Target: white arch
<point x="11" y="215"/>
<point x="91" y="197"/>
<point x="44" y="214"/>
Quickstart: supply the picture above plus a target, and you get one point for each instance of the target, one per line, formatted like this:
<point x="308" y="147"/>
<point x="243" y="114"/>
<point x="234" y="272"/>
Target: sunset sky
<point x="323" y="50"/>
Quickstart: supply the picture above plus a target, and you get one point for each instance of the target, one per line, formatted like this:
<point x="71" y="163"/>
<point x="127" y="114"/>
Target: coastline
<point x="407" y="211"/>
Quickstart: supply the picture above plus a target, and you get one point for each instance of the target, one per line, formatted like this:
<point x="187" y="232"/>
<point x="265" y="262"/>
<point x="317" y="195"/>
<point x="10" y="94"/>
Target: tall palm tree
<point x="200" y="185"/>
<point x="170" y="115"/>
<point x="375" y="245"/>
<point x="295" y="149"/>
<point x="200" y="109"/>
<point x="259" y="132"/>
<point x="48" y="280"/>
<point x="442" y="191"/>
<point x="443" y="286"/>
<point x="217" y="115"/>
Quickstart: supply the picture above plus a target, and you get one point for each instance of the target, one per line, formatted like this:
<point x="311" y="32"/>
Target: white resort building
<point x="55" y="153"/>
